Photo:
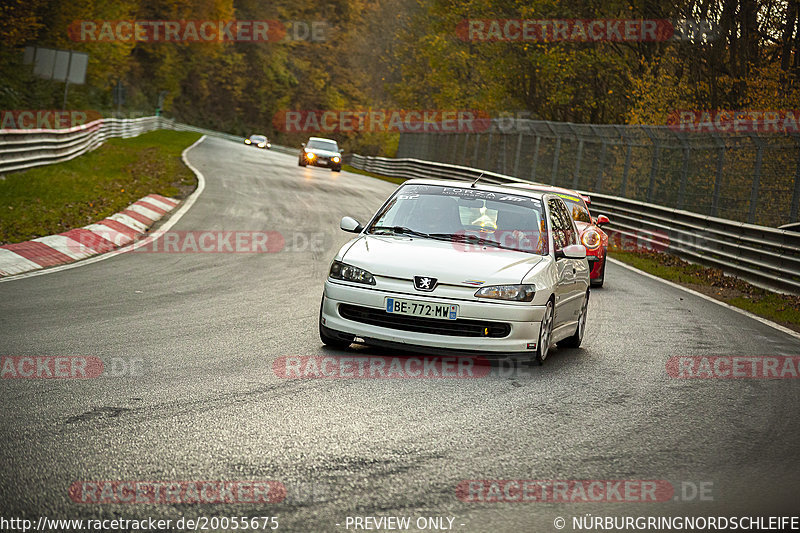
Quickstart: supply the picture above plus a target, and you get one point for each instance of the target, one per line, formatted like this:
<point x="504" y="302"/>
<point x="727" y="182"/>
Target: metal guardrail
<point x="765" y="256"/>
<point x="23" y="149"/>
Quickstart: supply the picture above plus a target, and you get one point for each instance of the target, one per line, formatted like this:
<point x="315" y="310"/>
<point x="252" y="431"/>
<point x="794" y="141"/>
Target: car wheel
<point x="336" y="170"/>
<point x="599" y="281"/>
<point x="301" y="163"/>
<point x="328" y="336"/>
<point x="545" y="334"/>
<point x="575" y="340"/>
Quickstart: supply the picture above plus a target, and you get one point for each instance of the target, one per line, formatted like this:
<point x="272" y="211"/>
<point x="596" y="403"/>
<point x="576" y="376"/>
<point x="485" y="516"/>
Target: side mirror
<point x="351" y="225"/>
<point x="573" y="251"/>
<point x="303" y="145"/>
<point x="602" y="219"/>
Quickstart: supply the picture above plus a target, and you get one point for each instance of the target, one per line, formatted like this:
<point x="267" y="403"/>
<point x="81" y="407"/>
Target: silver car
<point x="460" y="267"/>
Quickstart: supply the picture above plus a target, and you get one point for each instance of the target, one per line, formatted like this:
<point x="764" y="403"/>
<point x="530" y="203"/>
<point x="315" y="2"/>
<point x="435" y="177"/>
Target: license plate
<point x="421" y="309"/>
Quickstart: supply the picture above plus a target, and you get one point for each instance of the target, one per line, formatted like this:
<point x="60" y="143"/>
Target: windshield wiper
<point x="474" y="239"/>
<point x="402" y="230"/>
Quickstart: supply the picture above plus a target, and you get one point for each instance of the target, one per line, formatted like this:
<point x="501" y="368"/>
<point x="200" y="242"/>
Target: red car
<point x="593" y="238"/>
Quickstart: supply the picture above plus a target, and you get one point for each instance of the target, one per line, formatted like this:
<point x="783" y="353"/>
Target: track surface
<point x="208" y="406"/>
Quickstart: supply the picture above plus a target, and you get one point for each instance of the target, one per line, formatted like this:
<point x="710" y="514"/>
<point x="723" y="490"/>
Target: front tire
<point x="301" y="163"/>
<point x="337" y="169"/>
<point x="575" y="340"/>
<point x="545" y="334"/>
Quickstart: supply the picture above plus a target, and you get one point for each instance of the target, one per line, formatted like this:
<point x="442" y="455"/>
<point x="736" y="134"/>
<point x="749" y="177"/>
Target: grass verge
<point x="354" y="170"/>
<point x="56" y="198"/>
<point x="781" y="308"/>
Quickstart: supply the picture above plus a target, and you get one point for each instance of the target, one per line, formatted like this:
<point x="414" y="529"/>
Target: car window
<point x="569" y="223"/>
<point x="323" y="145"/>
<point x="563" y="228"/>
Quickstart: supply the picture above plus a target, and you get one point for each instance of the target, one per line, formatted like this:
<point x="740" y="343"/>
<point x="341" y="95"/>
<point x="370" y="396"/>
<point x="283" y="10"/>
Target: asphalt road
<point x="207" y="406"/>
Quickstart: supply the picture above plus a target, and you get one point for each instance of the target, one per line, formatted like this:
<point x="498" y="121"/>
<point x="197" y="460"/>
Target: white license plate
<point x="422" y="309"/>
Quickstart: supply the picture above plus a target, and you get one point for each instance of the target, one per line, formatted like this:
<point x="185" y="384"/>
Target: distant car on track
<point x="591" y="234"/>
<point x="259" y="141"/>
<point x="321" y="153"/>
<point x="460" y="267"/>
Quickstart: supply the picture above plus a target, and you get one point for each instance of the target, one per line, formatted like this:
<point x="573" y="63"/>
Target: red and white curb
<point x="110" y="233"/>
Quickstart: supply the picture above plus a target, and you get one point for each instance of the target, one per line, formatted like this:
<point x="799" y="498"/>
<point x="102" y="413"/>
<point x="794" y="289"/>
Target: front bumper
<point x="323" y="162"/>
<point x="524" y="321"/>
<point x="596" y="260"/>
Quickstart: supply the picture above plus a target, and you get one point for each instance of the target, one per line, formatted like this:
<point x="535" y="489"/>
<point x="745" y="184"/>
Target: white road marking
<point x="11" y="263"/>
<point x="65" y="245"/>
<point x="131" y="222"/>
<point x="158" y="203"/>
<point x="142" y="210"/>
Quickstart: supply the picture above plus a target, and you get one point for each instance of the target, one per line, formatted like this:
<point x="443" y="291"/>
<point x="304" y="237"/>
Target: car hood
<point x="322" y="153"/>
<point x="451" y="263"/>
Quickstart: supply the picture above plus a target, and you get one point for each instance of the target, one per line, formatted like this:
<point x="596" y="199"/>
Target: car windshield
<point x="464" y="215"/>
<point x="258" y="138"/>
<point x="318" y="144"/>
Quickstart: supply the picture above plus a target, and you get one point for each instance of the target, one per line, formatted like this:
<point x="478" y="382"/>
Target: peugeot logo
<point x="421" y="283"/>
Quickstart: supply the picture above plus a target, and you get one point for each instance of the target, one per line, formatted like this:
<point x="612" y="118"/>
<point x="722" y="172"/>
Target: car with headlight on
<point x="462" y="268"/>
<point x="321" y="152"/>
<point x="590" y="229"/>
<point x="259" y="141"/>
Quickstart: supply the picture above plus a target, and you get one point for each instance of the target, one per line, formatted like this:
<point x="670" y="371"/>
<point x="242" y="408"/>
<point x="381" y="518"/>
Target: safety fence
<point x="749" y="176"/>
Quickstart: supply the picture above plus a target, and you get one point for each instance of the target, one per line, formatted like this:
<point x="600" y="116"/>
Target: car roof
<point x="320" y="139"/>
<point x="505" y="189"/>
<point x="550" y="188"/>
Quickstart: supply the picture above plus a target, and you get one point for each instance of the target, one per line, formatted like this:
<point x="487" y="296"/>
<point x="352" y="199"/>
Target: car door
<point x="576" y="268"/>
<point x="565" y="277"/>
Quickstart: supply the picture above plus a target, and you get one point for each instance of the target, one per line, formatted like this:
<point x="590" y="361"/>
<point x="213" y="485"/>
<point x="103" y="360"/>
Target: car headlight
<point x="262" y="145"/>
<point x="247" y="141"/>
<point x="347" y="272"/>
<point x="591" y="239"/>
<point x="514" y="293"/>
<point x="311" y="155"/>
<point x="335" y="159"/>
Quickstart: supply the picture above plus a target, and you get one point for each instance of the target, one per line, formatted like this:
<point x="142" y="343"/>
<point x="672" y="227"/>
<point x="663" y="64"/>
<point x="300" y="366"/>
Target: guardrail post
<point x="577" y="170"/>
<point x="556" y="155"/>
<point x="718" y="176"/>
<point x="516" y="158"/>
<point x="751" y="216"/>
<point x="796" y="195"/>
<point x="535" y="158"/>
